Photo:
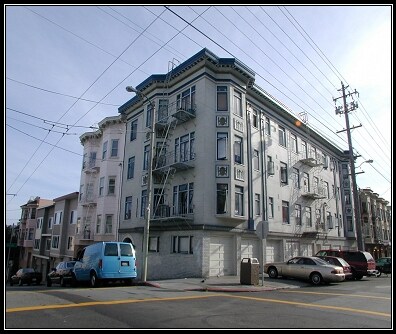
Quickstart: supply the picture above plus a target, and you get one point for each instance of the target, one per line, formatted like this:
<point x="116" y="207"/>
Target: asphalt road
<point x="351" y="304"/>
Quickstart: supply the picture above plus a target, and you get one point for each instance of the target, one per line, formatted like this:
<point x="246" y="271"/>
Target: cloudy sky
<point x="67" y="68"/>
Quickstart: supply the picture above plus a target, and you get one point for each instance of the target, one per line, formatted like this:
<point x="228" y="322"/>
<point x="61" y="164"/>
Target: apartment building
<point x="98" y="203"/>
<point x="27" y="227"/>
<point x="376" y="219"/>
<point x="54" y="233"/>
<point x="227" y="156"/>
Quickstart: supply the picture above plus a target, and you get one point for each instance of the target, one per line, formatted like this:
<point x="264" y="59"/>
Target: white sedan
<point x="309" y="268"/>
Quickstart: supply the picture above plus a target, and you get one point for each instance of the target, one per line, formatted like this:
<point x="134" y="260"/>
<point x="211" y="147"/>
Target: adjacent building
<point x="227" y="156"/>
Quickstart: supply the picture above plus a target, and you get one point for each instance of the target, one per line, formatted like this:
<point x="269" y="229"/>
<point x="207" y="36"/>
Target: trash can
<point x="250" y="271"/>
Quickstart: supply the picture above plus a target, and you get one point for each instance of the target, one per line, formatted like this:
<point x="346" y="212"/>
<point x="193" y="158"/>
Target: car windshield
<point x="321" y="261"/>
<point x="70" y="264"/>
<point x="343" y="262"/>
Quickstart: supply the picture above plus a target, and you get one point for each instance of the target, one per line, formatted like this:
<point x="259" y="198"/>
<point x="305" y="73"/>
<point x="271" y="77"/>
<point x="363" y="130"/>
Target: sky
<point x="67" y="68"/>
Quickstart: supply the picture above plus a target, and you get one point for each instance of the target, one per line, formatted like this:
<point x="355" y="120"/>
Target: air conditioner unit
<point x="222" y="171"/>
<point x="144" y="180"/>
<point x="270" y="168"/>
<point x="222" y="121"/>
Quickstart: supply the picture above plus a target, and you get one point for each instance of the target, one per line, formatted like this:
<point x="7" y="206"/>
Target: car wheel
<point x="94" y="280"/>
<point x="272" y="272"/>
<point x="20" y="283"/>
<point x="316" y="278"/>
<point x="62" y="282"/>
<point x="73" y="281"/>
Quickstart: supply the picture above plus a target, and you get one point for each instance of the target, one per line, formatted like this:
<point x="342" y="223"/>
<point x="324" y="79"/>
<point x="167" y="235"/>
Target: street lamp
<point x="370" y="161"/>
<point x="149" y="183"/>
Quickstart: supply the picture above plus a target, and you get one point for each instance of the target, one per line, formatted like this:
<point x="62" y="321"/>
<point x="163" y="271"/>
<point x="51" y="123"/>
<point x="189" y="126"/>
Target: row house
<point x="227" y="157"/>
<point x="376" y="223"/>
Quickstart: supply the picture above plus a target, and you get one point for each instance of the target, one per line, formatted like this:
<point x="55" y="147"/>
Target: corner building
<point x="227" y="156"/>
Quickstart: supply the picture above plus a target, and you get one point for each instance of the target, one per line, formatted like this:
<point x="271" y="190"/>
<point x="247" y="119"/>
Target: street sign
<point x="262" y="229"/>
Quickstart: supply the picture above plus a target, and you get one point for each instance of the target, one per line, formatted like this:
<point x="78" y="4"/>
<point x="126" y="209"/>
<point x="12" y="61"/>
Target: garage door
<point x="221" y="256"/>
<point x="250" y="248"/>
<point x="273" y="251"/>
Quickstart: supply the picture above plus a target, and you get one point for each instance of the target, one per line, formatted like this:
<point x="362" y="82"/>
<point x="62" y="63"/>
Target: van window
<point x="111" y="250"/>
<point x="126" y="250"/>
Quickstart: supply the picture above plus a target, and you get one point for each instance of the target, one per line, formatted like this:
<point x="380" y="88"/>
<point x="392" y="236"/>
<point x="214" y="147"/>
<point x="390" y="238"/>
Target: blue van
<point x="106" y="261"/>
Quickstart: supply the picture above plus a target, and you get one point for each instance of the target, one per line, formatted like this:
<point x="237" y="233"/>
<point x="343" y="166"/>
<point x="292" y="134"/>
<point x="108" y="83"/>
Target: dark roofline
<point x="190" y="62"/>
<point x="68" y="196"/>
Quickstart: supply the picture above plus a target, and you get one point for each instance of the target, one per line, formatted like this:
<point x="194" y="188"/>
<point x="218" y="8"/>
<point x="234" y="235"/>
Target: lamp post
<point x="146" y="233"/>
<point x="370" y="161"/>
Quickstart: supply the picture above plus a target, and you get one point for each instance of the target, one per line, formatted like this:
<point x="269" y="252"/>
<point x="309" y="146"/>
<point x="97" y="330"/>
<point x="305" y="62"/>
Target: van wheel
<point x="94" y="280"/>
<point x="73" y="280"/>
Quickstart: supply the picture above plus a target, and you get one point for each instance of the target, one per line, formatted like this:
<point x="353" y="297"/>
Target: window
<point x="162" y="110"/>
<point x="222" y="98"/>
<point x="78" y="225"/>
<point x="183" y="199"/>
<point x="89" y="190"/>
<point x="254" y="118"/>
<point x="111" y="189"/>
<point x="143" y="206"/>
<point x="283" y="173"/>
<point x="267" y="126"/>
<point x="306" y="182"/>
<point x="270" y="207"/>
<point x="47" y="244"/>
<point x="282" y="136"/>
<point x="70" y="243"/>
<point x="238" y="150"/>
<point x="256" y="163"/>
<point x="92" y="159"/>
<point x="293" y="140"/>
<point x="134" y="125"/>
<point x="308" y="216"/>
<point x="58" y="217"/>
<point x="326" y="189"/>
<point x="55" y="241"/>
<point x="159" y="201"/>
<point x="304" y="149"/>
<point x="81" y="192"/>
<point x="146" y="157"/>
<point x="238" y="103"/>
<point x="39" y="223"/>
<point x="257" y="204"/>
<point x="126" y="250"/>
<point x="101" y="186"/>
<point x="296" y="178"/>
<point x="98" y="223"/>
<point x="84" y="163"/>
<point x="297" y="208"/>
<point x="30" y="233"/>
<point x="222" y="194"/>
<point x="222" y="139"/>
<point x="114" y="148"/>
<point x="104" y="150"/>
<point x="153" y="244"/>
<point x="182" y="244"/>
<point x="128" y="207"/>
<point x="36" y="244"/>
<point x="184" y="148"/>
<point x="111" y="249"/>
<point x="109" y="224"/>
<point x="238" y="201"/>
<point x="186" y="101"/>
<point x="285" y="212"/>
<point x="149" y="115"/>
<point x="73" y="216"/>
<point x="131" y="168"/>
<point x="316" y="184"/>
<point x="318" y="217"/>
<point x="50" y="219"/>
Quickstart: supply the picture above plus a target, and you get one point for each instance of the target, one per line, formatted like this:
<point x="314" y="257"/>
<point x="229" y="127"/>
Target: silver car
<point x="309" y="268"/>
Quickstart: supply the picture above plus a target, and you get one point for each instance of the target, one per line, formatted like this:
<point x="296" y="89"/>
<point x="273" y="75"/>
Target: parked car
<point x="340" y="262"/>
<point x="309" y="268"/>
<point x="383" y="265"/>
<point x="106" y="261"/>
<point x="62" y="274"/>
<point x="362" y="263"/>
<point x="26" y="276"/>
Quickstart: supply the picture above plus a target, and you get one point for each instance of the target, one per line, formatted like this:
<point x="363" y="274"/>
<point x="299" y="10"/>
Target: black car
<point x="384" y="265"/>
<point x="26" y="276"/>
<point x="62" y="274"/>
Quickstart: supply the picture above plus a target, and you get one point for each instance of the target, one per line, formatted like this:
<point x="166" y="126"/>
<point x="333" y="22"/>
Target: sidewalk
<point x="223" y="284"/>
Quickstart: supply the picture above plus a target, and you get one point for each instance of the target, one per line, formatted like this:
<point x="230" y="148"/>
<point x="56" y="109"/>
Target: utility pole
<point x="345" y="109"/>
